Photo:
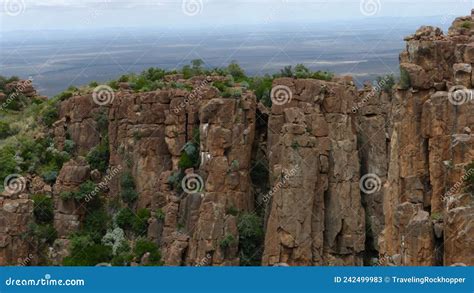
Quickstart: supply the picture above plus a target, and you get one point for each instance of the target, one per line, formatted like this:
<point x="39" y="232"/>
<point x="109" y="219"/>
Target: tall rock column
<point x="227" y="129"/>
<point x="316" y="216"/>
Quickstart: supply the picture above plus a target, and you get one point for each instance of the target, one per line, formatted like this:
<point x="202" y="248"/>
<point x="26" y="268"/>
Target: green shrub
<point x="50" y="177"/>
<point x="83" y="251"/>
<point x="136" y="223"/>
<point x="143" y="246"/>
<point x="96" y="223"/>
<point x="466" y="24"/>
<point x="190" y="154"/>
<point x="405" y="82"/>
<point x="98" y="157"/>
<point x="436" y="216"/>
<point x="251" y="237"/>
<point x="175" y="180"/>
<point x="125" y="218"/>
<point x="5" y="130"/>
<point x="43" y="209"/>
<point x="65" y="95"/>
<point x="386" y="83"/>
<point x="7" y="162"/>
<point x="128" y="193"/>
<point x="69" y="146"/>
<point x="43" y="233"/>
<point x="302" y="71"/>
<point x="140" y="222"/>
<point x="232" y="211"/>
<point x="322" y="75"/>
<point x="159" y="214"/>
<point x="50" y="114"/>
<point x="236" y="71"/>
<point x="287" y="71"/>
<point x="227" y="241"/>
<point x="221" y="86"/>
<point x="93" y="84"/>
<point x="123" y="255"/>
<point x="85" y="189"/>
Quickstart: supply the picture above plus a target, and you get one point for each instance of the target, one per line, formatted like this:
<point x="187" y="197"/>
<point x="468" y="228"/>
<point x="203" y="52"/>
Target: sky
<point x="28" y="15"/>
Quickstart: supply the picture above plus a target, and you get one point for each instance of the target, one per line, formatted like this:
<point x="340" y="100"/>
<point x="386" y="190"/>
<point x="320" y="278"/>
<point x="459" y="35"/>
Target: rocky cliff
<point x="198" y="173"/>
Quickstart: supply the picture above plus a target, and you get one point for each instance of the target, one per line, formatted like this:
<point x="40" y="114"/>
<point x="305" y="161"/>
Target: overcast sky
<point x="186" y="14"/>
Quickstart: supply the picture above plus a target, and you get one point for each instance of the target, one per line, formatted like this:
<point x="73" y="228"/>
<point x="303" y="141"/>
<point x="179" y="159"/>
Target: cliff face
<point x="328" y="175"/>
<point x="428" y="217"/>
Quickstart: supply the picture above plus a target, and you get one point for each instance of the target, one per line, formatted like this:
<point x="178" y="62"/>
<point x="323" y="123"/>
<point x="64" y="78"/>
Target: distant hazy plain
<point x="57" y="59"/>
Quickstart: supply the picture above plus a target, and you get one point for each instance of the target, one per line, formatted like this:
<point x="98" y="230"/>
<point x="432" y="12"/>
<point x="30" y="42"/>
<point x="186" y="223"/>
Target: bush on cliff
<point x="128" y="193"/>
<point x="251" y="234"/>
<point x="136" y="223"/>
<point x="7" y="162"/>
<point x="83" y="251"/>
<point x="386" y="83"/>
<point x="5" y="130"/>
<point x="43" y="209"/>
<point x="405" y="81"/>
<point x="98" y="157"/>
<point x="143" y="246"/>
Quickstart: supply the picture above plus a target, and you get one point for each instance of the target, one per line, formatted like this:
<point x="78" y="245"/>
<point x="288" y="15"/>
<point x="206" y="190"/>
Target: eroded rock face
<point x="316" y="217"/>
<point x="68" y="213"/>
<point x="430" y="148"/>
<point x="16" y="212"/>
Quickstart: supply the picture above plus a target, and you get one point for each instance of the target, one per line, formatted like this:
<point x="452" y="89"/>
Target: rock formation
<point x="369" y="176"/>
